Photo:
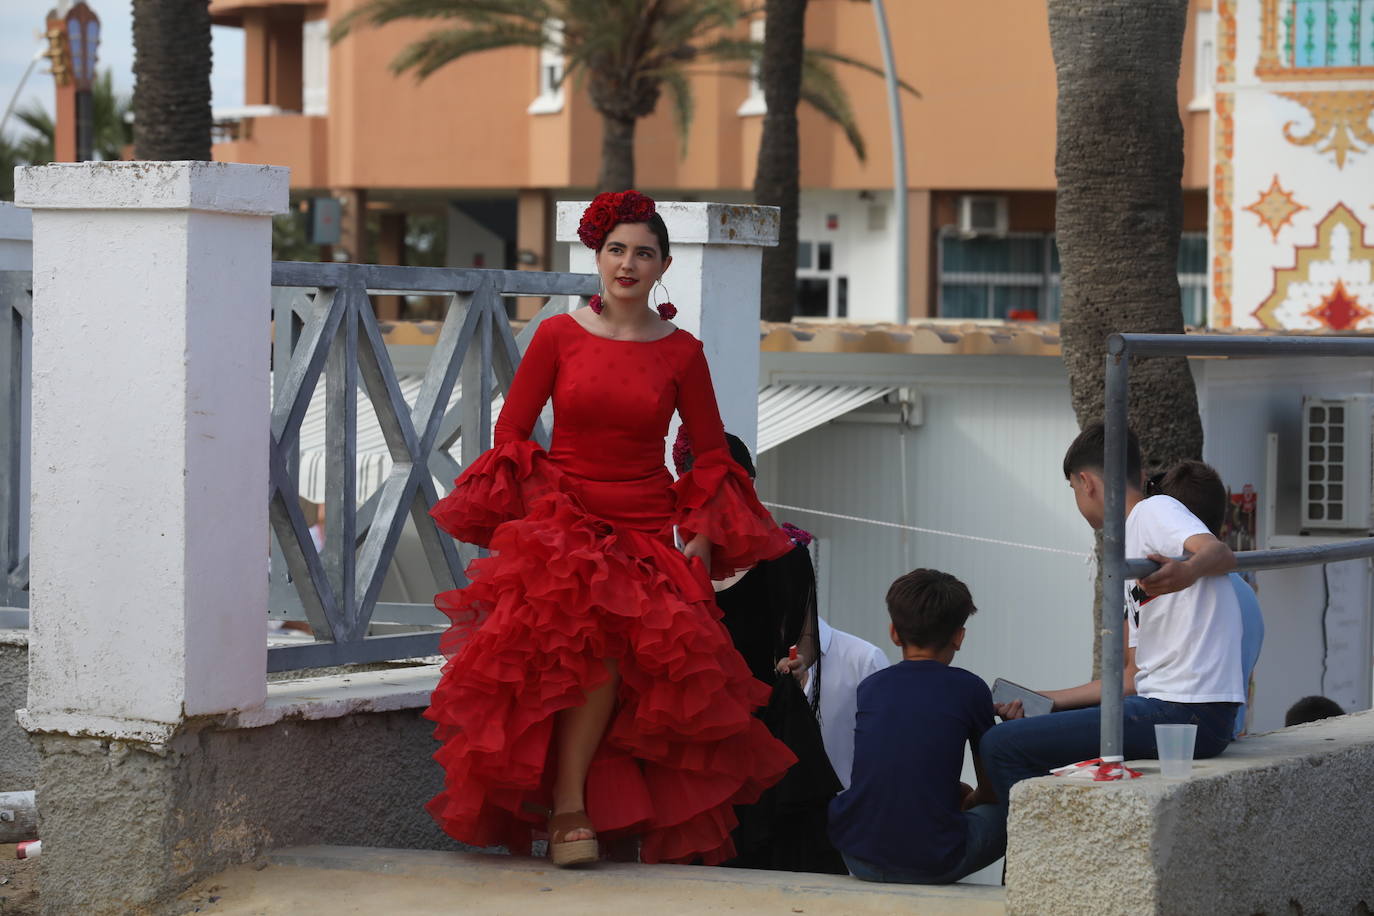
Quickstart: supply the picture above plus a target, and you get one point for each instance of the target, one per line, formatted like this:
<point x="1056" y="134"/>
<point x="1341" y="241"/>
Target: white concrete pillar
<point x="150" y="433"/>
<point x="717" y="252"/>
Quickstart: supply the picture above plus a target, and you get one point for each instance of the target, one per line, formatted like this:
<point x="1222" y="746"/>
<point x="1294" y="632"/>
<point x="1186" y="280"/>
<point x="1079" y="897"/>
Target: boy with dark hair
<point x="1198" y="486"/>
<point x="1183" y="636"/>
<point x="906" y="818"/>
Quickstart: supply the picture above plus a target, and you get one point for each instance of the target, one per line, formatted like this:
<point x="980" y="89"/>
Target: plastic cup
<point x="1175" y="743"/>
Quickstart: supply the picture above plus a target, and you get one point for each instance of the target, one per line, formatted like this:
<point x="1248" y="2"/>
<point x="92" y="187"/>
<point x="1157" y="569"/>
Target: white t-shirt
<point x="1187" y="644"/>
<point x="845" y="661"/>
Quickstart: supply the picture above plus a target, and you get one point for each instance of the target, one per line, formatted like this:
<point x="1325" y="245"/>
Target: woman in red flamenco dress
<point x="590" y="681"/>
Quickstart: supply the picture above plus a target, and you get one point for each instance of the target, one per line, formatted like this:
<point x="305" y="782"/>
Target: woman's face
<point x="630" y="263"/>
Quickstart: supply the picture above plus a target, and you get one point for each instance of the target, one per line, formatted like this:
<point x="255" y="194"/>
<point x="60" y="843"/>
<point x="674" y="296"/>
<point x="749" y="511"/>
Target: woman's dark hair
<point x="740" y="452"/>
<point x="658" y="228"/>
<point x="928" y="607"/>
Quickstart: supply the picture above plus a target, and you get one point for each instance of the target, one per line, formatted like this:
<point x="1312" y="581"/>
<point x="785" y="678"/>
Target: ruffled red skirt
<point x="561" y="591"/>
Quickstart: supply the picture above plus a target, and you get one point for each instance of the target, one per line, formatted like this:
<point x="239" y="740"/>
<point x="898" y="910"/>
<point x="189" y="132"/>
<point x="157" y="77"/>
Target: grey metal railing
<point x="16" y="315"/>
<point x="1117" y="568"/>
<point x="325" y="327"/>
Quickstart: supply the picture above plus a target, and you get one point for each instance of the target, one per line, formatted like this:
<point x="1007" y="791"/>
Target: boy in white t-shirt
<point x="1183" y="638"/>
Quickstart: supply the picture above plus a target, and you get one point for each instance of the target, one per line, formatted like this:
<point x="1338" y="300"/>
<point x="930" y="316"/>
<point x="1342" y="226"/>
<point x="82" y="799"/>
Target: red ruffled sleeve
<point x="716" y="498"/>
<point x="496" y="488"/>
<point x="502" y="483"/>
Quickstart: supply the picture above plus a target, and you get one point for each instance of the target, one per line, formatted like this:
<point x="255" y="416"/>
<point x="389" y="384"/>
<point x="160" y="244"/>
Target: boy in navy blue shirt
<point x="906" y="817"/>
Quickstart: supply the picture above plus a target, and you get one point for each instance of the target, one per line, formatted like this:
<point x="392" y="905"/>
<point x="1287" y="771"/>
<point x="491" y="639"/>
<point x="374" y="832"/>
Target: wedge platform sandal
<point x="565" y="852"/>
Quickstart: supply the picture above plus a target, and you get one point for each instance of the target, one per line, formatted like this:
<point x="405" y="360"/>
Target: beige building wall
<point x="983" y="123"/>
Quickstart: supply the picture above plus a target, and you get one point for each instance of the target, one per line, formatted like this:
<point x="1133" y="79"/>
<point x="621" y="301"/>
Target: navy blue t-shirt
<point x="901" y="809"/>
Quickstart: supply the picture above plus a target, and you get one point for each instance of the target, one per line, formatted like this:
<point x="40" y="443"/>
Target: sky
<point x="22" y="21"/>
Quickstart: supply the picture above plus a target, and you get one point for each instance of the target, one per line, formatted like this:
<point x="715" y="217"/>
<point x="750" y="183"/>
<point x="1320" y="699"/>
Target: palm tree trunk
<point x="617" y="154"/>
<point x="1119" y="163"/>
<point x="172" y="79"/>
<point x="777" y="178"/>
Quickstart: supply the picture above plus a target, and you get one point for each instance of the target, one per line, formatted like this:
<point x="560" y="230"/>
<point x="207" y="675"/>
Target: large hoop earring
<point x="666" y="310"/>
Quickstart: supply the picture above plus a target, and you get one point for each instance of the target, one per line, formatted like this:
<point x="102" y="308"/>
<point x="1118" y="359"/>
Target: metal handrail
<point x="16" y="329"/>
<point x="1117" y="568"/>
<point x="327" y="335"/>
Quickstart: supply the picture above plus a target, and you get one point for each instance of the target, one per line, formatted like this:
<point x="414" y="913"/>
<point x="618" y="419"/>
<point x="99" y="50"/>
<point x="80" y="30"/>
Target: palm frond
<point x="823" y="92"/>
<point x="113" y="130"/>
<point x="690" y="22"/>
<point x="830" y="56"/>
<point x="475" y="12"/>
<point x="445" y="46"/>
<point x="37" y="119"/>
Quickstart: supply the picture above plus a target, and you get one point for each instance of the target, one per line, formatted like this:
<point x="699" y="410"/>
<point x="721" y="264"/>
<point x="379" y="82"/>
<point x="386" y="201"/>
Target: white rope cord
<point x="1086" y="557"/>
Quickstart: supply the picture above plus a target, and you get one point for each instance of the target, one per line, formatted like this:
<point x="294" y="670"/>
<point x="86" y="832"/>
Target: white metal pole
<point x="38" y="55"/>
<point x="899" y="185"/>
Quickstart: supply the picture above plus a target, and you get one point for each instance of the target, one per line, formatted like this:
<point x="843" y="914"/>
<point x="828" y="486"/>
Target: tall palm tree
<point x="172" y="79"/>
<point x="627" y="52"/>
<point x="1119" y="164"/>
<point x="791" y="73"/>
<point x="110" y="112"/>
<point x="777" y="176"/>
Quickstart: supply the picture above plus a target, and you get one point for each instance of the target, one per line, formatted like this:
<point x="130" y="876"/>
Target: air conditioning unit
<point x="982" y="214"/>
<point x="1337" y="471"/>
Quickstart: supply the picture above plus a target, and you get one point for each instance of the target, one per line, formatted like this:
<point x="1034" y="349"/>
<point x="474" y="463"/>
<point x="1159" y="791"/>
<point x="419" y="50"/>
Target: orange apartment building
<point x="491" y="145"/>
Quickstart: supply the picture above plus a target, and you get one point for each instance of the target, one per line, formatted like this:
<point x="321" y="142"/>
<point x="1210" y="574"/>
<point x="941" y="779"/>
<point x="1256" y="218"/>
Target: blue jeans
<point x="1023" y="748"/>
<point x="987" y="842"/>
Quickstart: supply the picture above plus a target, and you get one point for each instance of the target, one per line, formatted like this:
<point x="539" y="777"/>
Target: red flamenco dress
<point x="583" y="568"/>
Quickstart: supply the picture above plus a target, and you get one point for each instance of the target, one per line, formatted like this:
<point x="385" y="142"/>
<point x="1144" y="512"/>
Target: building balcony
<point x="267" y="135"/>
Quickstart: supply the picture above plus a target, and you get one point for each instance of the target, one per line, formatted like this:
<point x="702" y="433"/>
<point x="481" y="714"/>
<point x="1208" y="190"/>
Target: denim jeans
<point x="987" y="842"/>
<point x="1022" y="748"/>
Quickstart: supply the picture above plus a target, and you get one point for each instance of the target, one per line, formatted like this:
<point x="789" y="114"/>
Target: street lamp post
<point x="73" y="39"/>
<point x="899" y="183"/>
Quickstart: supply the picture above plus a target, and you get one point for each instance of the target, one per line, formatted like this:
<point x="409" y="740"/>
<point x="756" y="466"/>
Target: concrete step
<point x="340" y="879"/>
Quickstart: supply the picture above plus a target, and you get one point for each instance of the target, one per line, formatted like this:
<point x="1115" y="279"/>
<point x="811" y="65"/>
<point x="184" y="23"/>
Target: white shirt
<point x="845" y="661"/>
<point x="1187" y="644"/>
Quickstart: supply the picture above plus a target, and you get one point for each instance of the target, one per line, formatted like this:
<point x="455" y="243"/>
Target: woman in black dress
<point x="770" y="612"/>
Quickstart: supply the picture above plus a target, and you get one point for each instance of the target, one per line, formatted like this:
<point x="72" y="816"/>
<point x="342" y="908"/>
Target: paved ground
<point x="18" y="884"/>
<point x="345" y="880"/>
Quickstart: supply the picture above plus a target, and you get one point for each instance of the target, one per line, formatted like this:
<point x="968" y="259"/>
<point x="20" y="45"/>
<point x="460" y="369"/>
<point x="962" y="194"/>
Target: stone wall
<point x="18" y="759"/>
<point x="1276" y="826"/>
<point x="126" y="827"/>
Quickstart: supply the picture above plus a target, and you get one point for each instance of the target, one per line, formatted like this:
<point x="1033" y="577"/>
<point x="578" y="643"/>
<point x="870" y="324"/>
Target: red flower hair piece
<point x="609" y="210"/>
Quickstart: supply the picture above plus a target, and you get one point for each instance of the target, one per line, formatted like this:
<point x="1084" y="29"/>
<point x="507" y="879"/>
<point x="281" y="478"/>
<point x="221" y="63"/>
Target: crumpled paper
<point x="1097" y="770"/>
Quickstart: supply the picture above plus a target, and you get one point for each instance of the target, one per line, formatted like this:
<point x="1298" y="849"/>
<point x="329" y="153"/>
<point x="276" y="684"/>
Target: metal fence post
<point x="1114" y="549"/>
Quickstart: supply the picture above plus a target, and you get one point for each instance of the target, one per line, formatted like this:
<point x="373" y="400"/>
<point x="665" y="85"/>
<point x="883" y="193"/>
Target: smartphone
<point x="1034" y="704"/>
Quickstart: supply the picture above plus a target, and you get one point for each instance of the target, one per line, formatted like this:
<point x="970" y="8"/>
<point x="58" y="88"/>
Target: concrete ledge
<point x="303" y="700"/>
<point x="323" y="879"/>
<point x="1276" y="825"/>
<point x="217" y="187"/>
<point x="699" y="223"/>
<point x="337" y="696"/>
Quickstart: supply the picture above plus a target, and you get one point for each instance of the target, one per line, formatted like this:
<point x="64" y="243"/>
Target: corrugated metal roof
<point x="373" y="456"/>
<point x="787" y="411"/>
